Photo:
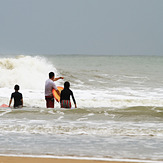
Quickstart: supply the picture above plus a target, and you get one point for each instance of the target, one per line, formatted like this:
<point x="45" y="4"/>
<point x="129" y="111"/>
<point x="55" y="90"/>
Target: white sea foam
<point x="89" y="98"/>
<point x="29" y="72"/>
<point x="81" y="127"/>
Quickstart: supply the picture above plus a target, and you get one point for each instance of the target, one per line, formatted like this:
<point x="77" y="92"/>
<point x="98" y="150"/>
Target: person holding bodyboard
<point x="49" y="86"/>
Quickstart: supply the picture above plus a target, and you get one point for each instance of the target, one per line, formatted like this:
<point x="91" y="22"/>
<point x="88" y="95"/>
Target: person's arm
<point x="55" y="79"/>
<point x="22" y="102"/>
<point x="55" y="87"/>
<point x="60" y="96"/>
<point x="58" y="92"/>
<point x="10" y="102"/>
<point x="74" y="100"/>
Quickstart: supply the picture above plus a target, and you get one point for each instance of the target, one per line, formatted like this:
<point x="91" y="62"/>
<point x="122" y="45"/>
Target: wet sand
<point x="11" y="159"/>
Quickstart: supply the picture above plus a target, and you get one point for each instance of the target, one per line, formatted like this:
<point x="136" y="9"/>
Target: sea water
<point x="119" y="114"/>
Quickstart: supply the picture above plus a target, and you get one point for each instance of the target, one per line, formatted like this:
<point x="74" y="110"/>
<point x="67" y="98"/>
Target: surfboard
<point x="56" y="96"/>
<point x="4" y="106"/>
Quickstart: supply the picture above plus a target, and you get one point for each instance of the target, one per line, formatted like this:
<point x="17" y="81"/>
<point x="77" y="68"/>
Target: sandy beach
<point x="11" y="159"/>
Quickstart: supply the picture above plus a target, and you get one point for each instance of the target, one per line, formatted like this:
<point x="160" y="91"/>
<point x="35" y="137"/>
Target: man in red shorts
<point x="49" y="86"/>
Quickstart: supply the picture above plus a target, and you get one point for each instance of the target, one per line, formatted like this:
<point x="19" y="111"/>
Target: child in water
<point x="18" y="98"/>
<point x="65" y="96"/>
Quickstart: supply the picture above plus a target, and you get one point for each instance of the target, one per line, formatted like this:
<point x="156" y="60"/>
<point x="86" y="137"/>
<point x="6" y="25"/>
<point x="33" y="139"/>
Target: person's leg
<point x="49" y="102"/>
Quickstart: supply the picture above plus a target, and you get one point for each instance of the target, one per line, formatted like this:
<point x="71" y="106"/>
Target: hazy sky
<point x="132" y="27"/>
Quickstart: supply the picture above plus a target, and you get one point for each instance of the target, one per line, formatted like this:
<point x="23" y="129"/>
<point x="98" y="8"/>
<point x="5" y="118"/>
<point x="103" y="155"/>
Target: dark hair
<point x="16" y="87"/>
<point x="67" y="85"/>
<point x="51" y="74"/>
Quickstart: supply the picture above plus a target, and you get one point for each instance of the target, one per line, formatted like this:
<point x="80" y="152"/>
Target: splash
<point x="27" y="71"/>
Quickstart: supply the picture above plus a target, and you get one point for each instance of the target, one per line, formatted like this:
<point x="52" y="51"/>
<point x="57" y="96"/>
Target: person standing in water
<point x="18" y="98"/>
<point x="49" y="86"/>
<point x="65" y="96"/>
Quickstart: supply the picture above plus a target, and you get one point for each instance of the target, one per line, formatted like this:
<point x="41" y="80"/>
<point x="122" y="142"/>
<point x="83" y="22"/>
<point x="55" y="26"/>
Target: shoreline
<point x="54" y="159"/>
<point x="17" y="159"/>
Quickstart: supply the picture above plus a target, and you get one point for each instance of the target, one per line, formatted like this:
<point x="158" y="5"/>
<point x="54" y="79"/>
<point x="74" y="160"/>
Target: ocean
<point x="119" y="114"/>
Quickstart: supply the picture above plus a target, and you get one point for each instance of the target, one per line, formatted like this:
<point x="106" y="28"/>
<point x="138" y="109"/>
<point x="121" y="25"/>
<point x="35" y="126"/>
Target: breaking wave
<point x="29" y="72"/>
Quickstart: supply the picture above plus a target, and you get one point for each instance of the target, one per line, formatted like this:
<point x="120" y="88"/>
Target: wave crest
<point x="27" y="71"/>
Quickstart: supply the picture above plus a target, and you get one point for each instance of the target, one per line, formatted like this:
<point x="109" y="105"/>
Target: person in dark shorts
<point x="18" y="98"/>
<point x="49" y="86"/>
<point x="65" y="96"/>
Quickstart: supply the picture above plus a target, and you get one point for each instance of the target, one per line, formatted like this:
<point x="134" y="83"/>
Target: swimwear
<point x="17" y="99"/>
<point x="65" y="95"/>
<point x="49" y="101"/>
<point x="65" y="104"/>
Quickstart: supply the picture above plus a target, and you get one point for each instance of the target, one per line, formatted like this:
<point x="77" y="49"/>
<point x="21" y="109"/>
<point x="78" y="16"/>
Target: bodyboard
<point x="4" y="106"/>
<point x="56" y="96"/>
